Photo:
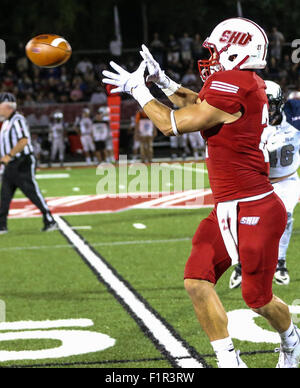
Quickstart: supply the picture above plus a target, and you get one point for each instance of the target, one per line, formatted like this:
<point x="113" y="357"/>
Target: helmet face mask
<point x="209" y="66"/>
<point x="276" y="102"/>
<point x="58" y="117"/>
<point x="235" y="44"/>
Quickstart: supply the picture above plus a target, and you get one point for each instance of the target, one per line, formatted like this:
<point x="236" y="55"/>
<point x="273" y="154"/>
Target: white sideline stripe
<point x="35" y="325"/>
<point x="173" y="346"/>
<point x="104" y="244"/>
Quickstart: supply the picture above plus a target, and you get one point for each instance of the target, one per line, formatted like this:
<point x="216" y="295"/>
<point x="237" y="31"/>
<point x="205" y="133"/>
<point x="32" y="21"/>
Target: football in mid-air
<point x="48" y="50"/>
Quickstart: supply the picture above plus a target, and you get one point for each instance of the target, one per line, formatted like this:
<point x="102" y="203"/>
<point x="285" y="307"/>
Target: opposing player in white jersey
<point x="146" y="133"/>
<point x="136" y="146"/>
<point x="57" y="138"/>
<point x="283" y="146"/>
<point x="179" y="146"/>
<point x="86" y="136"/>
<point x="101" y="132"/>
<point x="197" y="144"/>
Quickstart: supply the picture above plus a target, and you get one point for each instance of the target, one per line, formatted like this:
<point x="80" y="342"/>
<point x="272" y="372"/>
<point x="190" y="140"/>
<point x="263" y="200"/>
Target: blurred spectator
<point x="197" y="47"/>
<point x="173" y="49"/>
<point x="99" y="96"/>
<point x="186" y="43"/>
<point x="84" y="66"/>
<point x="29" y="101"/>
<point x="79" y="79"/>
<point x="76" y="94"/>
<point x="157" y="48"/>
<point x="276" y="43"/>
<point x="38" y="119"/>
<point x="189" y="78"/>
<point x="22" y="65"/>
<point x="37" y="147"/>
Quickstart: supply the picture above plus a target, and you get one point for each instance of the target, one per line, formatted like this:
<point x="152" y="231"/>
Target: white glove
<point x="124" y="80"/>
<point x="157" y="75"/>
<point x="130" y="83"/>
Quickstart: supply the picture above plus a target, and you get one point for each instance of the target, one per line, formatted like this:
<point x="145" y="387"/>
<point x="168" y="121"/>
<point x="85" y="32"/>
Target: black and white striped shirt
<point x="13" y="130"/>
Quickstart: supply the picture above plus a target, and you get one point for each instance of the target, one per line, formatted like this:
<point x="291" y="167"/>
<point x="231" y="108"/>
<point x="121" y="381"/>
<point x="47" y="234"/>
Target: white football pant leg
<point x="289" y="192"/>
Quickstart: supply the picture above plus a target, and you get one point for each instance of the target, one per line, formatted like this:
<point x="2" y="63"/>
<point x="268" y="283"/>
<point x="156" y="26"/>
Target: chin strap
<point x="238" y="67"/>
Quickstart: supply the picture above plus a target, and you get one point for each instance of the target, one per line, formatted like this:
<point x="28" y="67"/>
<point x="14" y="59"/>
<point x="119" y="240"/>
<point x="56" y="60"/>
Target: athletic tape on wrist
<point x="142" y="95"/>
<point x="173" y="122"/>
<point x="172" y="88"/>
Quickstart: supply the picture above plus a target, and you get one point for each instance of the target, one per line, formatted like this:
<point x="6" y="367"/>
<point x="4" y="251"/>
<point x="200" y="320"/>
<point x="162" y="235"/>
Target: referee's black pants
<point x="20" y="174"/>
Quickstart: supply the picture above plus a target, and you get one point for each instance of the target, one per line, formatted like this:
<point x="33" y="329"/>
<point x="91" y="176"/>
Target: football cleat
<point x="3" y="230"/>
<point x="241" y="363"/>
<point x="289" y="358"/>
<point x="282" y="276"/>
<point x="236" y="277"/>
<point x="50" y="227"/>
<point x="238" y="364"/>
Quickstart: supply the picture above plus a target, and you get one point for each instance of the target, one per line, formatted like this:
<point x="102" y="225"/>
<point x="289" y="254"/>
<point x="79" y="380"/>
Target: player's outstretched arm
<point x="197" y="117"/>
<point x="178" y="95"/>
<point x="193" y="118"/>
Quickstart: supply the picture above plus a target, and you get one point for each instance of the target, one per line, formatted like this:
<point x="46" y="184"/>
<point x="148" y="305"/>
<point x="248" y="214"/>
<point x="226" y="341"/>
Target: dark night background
<point x="89" y="24"/>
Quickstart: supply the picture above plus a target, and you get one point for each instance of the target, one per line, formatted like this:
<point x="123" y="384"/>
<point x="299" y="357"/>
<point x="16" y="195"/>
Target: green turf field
<point x="43" y="278"/>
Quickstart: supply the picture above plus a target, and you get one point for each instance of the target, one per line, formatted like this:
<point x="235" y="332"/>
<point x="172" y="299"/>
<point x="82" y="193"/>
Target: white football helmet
<point x="58" y="116"/>
<point x="104" y="111"/>
<point x="273" y="90"/>
<point x="235" y="44"/>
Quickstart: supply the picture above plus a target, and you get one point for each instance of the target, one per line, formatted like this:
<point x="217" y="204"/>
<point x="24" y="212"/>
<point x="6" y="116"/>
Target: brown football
<point x="48" y="50"/>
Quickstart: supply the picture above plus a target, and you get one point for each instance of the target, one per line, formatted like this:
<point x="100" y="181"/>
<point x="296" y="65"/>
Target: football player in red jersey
<point x="248" y="221"/>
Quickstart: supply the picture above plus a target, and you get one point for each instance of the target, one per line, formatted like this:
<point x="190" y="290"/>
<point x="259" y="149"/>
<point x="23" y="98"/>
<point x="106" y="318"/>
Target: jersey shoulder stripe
<point x="225" y="84"/>
<point x="224" y="87"/>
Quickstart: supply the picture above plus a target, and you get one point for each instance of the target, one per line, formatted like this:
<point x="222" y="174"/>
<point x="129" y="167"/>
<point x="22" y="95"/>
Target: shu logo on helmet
<point x="236" y="37"/>
<point x="251" y="221"/>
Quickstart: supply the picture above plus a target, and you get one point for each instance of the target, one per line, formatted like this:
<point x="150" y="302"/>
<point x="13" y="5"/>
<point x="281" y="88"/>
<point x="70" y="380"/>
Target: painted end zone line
<point x="167" y="341"/>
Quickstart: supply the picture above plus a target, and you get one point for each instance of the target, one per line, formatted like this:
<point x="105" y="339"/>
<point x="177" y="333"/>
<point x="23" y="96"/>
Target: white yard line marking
<point x="82" y="228"/>
<point x="52" y="176"/>
<point x="161" y="200"/>
<point x="176" y="350"/>
<point x="33" y="325"/>
<point x="186" y="198"/>
<point x="101" y="244"/>
<point x="139" y="226"/>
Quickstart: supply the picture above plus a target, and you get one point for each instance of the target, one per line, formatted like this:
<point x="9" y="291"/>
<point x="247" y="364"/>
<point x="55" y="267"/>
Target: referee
<point x="16" y="153"/>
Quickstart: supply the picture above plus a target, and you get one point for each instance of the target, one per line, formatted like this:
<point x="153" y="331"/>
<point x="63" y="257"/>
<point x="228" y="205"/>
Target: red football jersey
<point x="236" y="163"/>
